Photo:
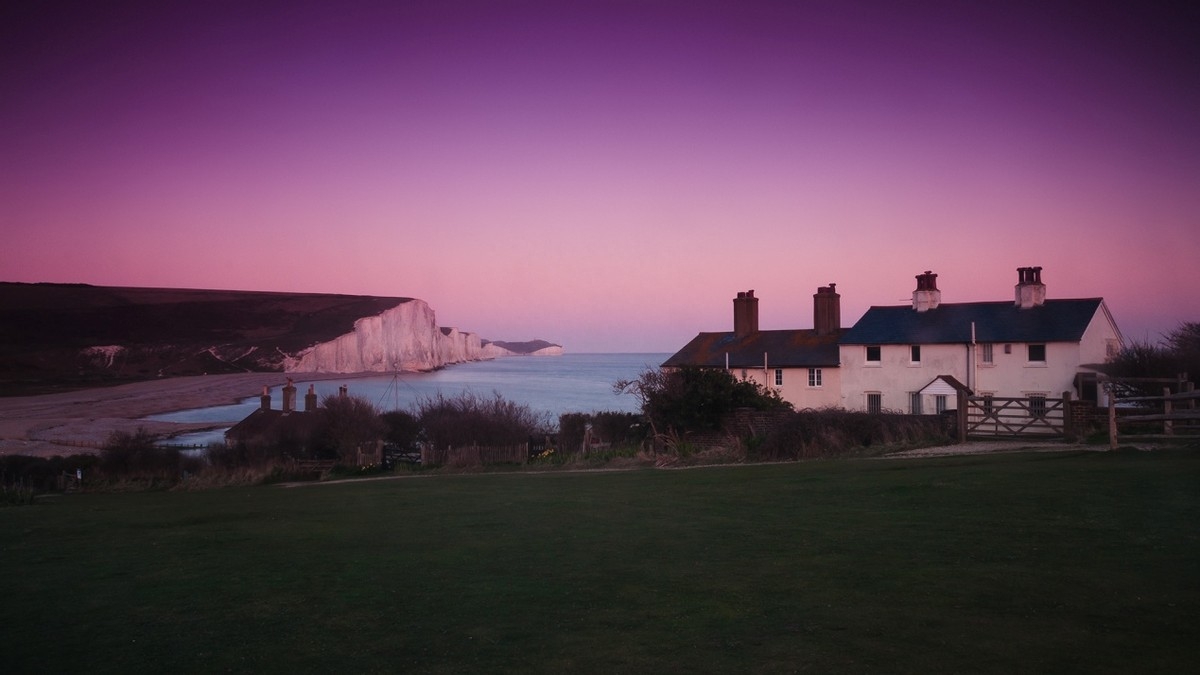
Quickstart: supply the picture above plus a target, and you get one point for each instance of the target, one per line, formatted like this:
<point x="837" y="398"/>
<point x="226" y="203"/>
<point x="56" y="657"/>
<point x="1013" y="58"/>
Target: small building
<point x="286" y="426"/>
<point x="1031" y="347"/>
<point x="915" y="358"/>
<point x="800" y="364"/>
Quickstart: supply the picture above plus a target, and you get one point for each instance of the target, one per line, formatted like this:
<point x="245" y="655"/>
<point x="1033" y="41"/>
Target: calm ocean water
<point x="550" y="384"/>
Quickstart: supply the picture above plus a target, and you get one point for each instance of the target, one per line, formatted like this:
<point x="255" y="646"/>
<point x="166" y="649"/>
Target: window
<point x="779" y="377"/>
<point x="814" y="377"/>
<point x="914" y="402"/>
<point x="1037" y="353"/>
<point x="1111" y="348"/>
<point x="873" y="354"/>
<point x="986" y="349"/>
<point x="874" y="402"/>
<point x="1037" y="405"/>
<point x="1007" y="349"/>
<point x="914" y="354"/>
<point x="939" y="403"/>
<point x="989" y="405"/>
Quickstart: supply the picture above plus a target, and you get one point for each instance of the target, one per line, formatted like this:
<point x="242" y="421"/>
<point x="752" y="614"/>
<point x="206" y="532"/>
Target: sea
<point x="551" y="385"/>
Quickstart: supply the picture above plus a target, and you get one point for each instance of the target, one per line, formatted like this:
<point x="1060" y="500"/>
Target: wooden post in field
<point x="1112" y="419"/>
<point x="1168" y="425"/>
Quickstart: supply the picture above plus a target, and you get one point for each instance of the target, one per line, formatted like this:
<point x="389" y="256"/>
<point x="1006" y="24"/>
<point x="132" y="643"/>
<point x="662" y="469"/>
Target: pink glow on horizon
<point x="608" y="176"/>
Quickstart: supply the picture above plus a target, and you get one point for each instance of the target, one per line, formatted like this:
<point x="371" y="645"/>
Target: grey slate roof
<point x="1054" y="321"/>
<point x="801" y="348"/>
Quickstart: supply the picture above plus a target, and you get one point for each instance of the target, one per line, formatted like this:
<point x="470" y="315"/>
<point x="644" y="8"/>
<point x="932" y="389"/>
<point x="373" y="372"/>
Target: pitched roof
<point x="262" y="424"/>
<point x="950" y="382"/>
<point x="784" y="348"/>
<point x="1054" y="321"/>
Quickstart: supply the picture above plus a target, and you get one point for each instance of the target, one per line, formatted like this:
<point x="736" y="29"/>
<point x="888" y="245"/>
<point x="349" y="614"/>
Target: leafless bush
<point x="468" y="419"/>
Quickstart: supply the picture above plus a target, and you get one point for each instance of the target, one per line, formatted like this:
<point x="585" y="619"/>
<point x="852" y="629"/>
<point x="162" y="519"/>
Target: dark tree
<point x="347" y="422"/>
<point x="696" y="399"/>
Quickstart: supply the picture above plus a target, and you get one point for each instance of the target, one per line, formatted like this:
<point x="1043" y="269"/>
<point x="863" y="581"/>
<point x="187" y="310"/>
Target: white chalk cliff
<point x="405" y="337"/>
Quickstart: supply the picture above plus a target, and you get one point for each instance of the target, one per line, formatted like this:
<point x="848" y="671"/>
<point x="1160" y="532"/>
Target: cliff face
<point x="405" y="337"/>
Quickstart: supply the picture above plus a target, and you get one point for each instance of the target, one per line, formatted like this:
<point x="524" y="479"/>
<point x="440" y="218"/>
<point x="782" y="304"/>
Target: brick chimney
<point x="310" y="399"/>
<point x="745" y="314"/>
<point x="827" y="310"/>
<point x="927" y="296"/>
<point x="1030" y="291"/>
<point x="265" y="399"/>
<point x="289" y="397"/>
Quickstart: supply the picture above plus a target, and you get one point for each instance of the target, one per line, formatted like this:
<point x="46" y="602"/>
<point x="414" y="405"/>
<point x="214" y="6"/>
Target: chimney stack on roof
<point x="265" y="399"/>
<point x="827" y="310"/>
<point x="289" y="396"/>
<point x="745" y="314"/>
<point x="1030" y="291"/>
<point x="927" y="296"/>
<point x="310" y="399"/>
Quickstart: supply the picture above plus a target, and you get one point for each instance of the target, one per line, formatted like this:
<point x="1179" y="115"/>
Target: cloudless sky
<point x="608" y="175"/>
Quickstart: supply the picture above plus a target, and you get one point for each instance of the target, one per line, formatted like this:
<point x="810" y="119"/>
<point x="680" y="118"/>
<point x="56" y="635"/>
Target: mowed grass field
<point x="1061" y="562"/>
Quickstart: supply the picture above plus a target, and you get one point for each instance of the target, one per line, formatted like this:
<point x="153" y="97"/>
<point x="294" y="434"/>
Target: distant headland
<point x="68" y="336"/>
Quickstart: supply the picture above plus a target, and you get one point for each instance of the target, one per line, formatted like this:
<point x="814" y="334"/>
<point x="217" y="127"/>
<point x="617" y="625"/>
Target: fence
<point x="475" y="455"/>
<point x="995" y="416"/>
<point x="1175" y="419"/>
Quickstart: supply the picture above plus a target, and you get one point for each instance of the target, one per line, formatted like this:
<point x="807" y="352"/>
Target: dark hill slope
<point x="55" y="336"/>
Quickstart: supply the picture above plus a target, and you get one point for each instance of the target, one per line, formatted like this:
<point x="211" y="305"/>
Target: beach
<point x="80" y="421"/>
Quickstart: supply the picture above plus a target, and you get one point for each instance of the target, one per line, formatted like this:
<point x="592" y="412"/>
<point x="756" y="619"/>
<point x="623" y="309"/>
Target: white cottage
<point x="911" y="358"/>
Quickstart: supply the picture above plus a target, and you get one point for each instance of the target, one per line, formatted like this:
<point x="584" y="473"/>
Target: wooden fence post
<point x="1168" y="425"/>
<point x="962" y="416"/>
<point x="1112" y="419"/>
<point x="1068" y="426"/>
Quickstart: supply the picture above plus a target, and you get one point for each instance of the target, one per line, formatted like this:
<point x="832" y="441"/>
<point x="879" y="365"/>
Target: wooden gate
<point x="1000" y="417"/>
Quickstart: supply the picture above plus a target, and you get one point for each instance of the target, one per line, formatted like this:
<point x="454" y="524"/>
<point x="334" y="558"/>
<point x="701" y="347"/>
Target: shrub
<point x="403" y="429"/>
<point x="42" y="474"/>
<point x="467" y="419"/>
<point x="346" y="423"/>
<point x="830" y="432"/>
<point x="134" y="455"/>
<point x="695" y="399"/>
<point x="614" y="428"/>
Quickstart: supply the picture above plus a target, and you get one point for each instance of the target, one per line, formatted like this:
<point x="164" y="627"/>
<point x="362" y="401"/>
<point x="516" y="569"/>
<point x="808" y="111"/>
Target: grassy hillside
<point x="1071" y="563"/>
<point x="46" y="328"/>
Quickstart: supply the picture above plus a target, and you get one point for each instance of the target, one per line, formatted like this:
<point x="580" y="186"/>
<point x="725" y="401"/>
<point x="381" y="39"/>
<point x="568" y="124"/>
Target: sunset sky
<point x="608" y="175"/>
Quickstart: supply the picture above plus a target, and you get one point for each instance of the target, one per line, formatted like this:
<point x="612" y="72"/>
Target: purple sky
<point x="608" y="175"/>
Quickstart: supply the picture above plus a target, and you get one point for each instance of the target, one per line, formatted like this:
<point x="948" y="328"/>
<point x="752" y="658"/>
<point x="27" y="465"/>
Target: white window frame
<point x="867" y="355"/>
<point x="914" y="402"/>
<point x="814" y="378"/>
<point x="914" y="351"/>
<point x="939" y="403"/>
<point x="779" y="377"/>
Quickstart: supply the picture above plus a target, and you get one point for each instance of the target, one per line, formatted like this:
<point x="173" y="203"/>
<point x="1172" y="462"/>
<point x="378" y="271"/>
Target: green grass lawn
<point x="1085" y="562"/>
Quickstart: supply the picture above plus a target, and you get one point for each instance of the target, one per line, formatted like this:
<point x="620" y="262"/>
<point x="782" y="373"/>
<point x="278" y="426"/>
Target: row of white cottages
<point x="914" y="358"/>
